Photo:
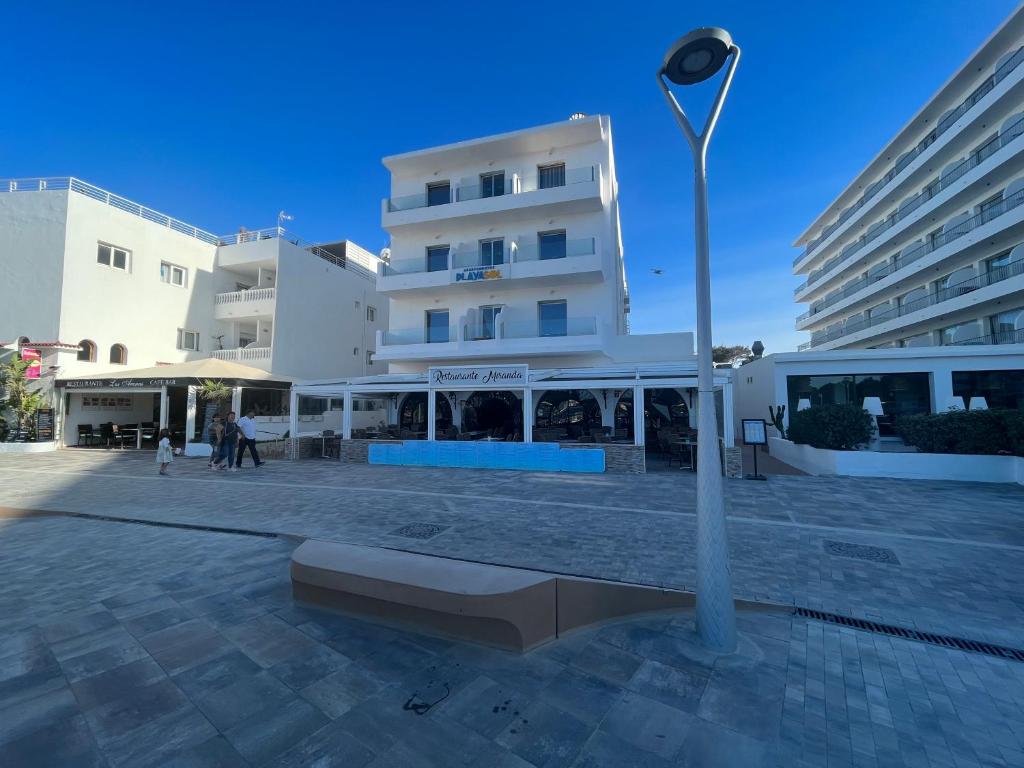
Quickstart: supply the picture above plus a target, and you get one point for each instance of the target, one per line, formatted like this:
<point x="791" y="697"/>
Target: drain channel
<point x="946" y="641"/>
<point x="160" y="524"/>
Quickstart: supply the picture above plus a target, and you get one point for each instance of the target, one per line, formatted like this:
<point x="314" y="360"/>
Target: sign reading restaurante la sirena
<point x="476" y="376"/>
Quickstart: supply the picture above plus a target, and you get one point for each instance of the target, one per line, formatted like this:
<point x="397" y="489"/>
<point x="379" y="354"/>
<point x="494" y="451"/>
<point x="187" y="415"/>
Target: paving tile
<point x="273" y="730"/>
<point x="117" y="682"/>
<point x="30" y="715"/>
<point x="545" y="736"/>
<point x="587" y="697"/>
<point x="648" y="724"/>
<point x="679" y="688"/>
<point x="57" y="744"/>
<point x="607" y="751"/>
<point x="708" y="744"/>
<point x="243" y="698"/>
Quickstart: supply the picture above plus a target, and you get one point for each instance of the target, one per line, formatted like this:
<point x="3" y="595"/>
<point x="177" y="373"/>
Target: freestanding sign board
<point x="755" y="433"/>
<point x="44" y="425"/>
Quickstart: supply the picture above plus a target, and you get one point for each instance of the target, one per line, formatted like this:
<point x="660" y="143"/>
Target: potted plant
<point x="16" y="399"/>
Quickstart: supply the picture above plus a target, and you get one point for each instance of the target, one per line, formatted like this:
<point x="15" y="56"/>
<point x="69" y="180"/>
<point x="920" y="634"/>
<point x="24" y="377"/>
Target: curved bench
<point x="510" y="608"/>
<point x="506" y="607"/>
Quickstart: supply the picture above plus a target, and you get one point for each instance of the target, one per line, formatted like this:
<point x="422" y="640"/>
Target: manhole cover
<point x="861" y="552"/>
<point x="419" y="530"/>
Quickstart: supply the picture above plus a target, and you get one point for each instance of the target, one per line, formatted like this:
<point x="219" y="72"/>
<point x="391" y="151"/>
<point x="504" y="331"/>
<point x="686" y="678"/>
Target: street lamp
<point x="692" y="59"/>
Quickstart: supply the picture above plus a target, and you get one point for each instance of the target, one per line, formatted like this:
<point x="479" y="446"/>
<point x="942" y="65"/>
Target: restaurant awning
<point x="194" y="372"/>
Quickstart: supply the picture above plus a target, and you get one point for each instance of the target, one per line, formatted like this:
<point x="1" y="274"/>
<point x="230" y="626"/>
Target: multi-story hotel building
<point x="509" y="305"/>
<point x="925" y="247"/>
<point x="112" y="297"/>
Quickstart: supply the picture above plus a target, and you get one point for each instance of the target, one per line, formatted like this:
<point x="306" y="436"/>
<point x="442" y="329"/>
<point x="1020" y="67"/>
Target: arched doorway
<point x="665" y="410"/>
<point x="573" y="410"/>
<point x="412" y="416"/>
<point x="498" y="413"/>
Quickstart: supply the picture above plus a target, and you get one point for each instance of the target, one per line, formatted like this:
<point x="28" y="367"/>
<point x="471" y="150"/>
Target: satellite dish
<point x="385" y="254"/>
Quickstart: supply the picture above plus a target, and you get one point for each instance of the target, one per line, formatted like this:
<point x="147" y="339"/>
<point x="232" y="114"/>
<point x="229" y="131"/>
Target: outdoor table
<point x="138" y="436"/>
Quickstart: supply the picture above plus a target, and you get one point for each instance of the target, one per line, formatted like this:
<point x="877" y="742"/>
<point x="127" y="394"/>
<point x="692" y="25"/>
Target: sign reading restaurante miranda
<point x="490" y="376"/>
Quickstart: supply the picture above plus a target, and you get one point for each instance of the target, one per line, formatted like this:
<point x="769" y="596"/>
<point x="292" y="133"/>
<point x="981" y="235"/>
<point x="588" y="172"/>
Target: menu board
<point x="755" y="432"/>
<point x="44" y="424"/>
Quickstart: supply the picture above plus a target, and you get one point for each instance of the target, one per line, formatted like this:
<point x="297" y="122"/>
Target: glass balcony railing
<point x="1008" y="135"/>
<point x="572" y="326"/>
<point x="902" y="162"/>
<point x="513" y="185"/>
<point x="993" y="276"/>
<point x="402" y="336"/>
<point x="543" y="252"/>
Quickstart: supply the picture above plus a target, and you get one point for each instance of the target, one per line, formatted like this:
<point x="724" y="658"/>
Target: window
<point x="119" y="354"/>
<point x="1001" y="389"/>
<point x="1008" y="327"/>
<point x="552" y="175"/>
<point x="492" y="184"/>
<point x="552" y="318"/>
<point x="960" y="334"/>
<point x="369" y="356"/>
<point x="439" y="193"/>
<point x="371" y="314"/>
<point x="488" y="318"/>
<point x="437" y="326"/>
<point x="173" y="274"/>
<point x="188" y="340"/>
<point x="552" y="245"/>
<point x="111" y="256"/>
<point x="997" y="266"/>
<point x="991" y="203"/>
<point x="492" y="252"/>
<point x="87" y="351"/>
<point x="437" y="258"/>
<point x="921" y="340"/>
<point x="901" y="393"/>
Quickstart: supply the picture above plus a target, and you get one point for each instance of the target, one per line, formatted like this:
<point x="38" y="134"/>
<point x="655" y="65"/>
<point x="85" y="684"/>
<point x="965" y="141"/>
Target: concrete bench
<point x="510" y="608"/>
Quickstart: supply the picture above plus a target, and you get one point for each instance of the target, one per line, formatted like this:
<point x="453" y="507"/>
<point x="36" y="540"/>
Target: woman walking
<point x="228" y="444"/>
<point x="164" y="454"/>
<point x="216" y="435"/>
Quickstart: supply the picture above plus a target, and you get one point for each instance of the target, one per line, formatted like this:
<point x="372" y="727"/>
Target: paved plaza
<point x="124" y="644"/>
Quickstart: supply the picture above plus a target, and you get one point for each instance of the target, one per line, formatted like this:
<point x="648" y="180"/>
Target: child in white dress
<point x="164" y="454"/>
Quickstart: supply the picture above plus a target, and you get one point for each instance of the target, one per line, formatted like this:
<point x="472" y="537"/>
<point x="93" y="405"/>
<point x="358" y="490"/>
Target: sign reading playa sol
<point x="473" y="274"/>
<point x="479" y="376"/>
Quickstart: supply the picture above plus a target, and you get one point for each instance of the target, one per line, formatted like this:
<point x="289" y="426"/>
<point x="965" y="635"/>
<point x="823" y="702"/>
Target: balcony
<point x="948" y="120"/>
<point x="507" y="338"/>
<point x="914" y="252"/>
<point x="237" y="305"/>
<point x="257" y="357"/>
<point x="1009" y="134"/>
<point x="941" y="296"/>
<point x="579" y="262"/>
<point x="577" y="191"/>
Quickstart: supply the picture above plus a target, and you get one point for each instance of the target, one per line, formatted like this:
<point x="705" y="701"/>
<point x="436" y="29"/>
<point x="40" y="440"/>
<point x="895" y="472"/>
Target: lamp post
<point x="690" y="60"/>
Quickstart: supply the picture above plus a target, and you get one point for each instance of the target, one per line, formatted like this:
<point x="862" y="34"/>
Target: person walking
<point x="228" y="443"/>
<point x="164" y="454"/>
<point x="215" y="436"/>
<point x="247" y="425"/>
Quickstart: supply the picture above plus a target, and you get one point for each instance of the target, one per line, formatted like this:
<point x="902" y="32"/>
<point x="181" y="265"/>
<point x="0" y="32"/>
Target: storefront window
<point x="266" y="402"/>
<point x="900" y="393"/>
<point x="1001" y="389"/>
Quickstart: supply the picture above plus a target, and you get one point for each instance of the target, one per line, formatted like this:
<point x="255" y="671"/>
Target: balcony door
<point x="492" y="252"/>
<point x="552" y="245"/>
<point x="439" y="193"/>
<point x="437" y="258"/>
<point x="488" y="321"/>
<point x="552" y="175"/>
<point x="492" y="184"/>
<point x="552" y="318"/>
<point x="437" y="326"/>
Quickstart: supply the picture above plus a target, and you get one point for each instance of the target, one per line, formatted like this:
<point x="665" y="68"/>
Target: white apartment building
<point x="925" y="247"/>
<point x="506" y="247"/>
<point x="509" y="306"/>
<point x="102" y="284"/>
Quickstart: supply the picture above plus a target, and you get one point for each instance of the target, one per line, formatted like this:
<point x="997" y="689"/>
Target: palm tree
<point x="216" y="392"/>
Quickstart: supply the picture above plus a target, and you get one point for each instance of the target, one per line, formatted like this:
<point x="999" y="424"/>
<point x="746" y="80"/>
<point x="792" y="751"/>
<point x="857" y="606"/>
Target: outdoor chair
<point x="85" y="434"/>
<point x="675" y="453"/>
<point x="107" y="433"/>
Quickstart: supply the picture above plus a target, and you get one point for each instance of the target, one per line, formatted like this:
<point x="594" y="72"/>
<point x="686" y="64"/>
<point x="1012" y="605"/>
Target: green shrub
<point x="969" y="432"/>
<point x="836" y="427"/>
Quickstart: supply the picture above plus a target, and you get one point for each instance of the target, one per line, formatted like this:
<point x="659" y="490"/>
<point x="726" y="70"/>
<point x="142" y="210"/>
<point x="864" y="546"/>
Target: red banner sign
<point x="35" y="363"/>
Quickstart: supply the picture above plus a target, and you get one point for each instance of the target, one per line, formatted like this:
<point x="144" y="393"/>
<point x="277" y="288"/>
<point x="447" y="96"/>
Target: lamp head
<point x="697" y="55"/>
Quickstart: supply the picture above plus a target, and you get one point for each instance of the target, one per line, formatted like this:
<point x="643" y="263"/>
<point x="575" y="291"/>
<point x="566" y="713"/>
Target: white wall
<point x="133" y="307"/>
<point x="317" y="323"/>
<point x="32" y="229"/>
<point x="753" y="391"/>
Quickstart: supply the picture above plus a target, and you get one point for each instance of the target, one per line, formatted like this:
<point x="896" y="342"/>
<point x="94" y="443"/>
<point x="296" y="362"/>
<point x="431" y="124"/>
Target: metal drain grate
<point x="946" y="641"/>
<point x="860" y="552"/>
<point x="419" y="530"/>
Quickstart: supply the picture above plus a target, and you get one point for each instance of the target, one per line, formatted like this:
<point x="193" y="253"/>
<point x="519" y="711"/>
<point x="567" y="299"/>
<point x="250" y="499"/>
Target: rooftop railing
<point x="1008" y="135"/>
<point x="108" y="198"/>
<point x="249" y="236"/>
<point x="902" y="162"/>
<point x="238" y="297"/>
<point x="991" y="277"/>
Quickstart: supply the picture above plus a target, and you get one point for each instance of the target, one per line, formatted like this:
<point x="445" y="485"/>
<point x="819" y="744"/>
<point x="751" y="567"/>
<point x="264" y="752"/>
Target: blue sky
<point x="223" y="114"/>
